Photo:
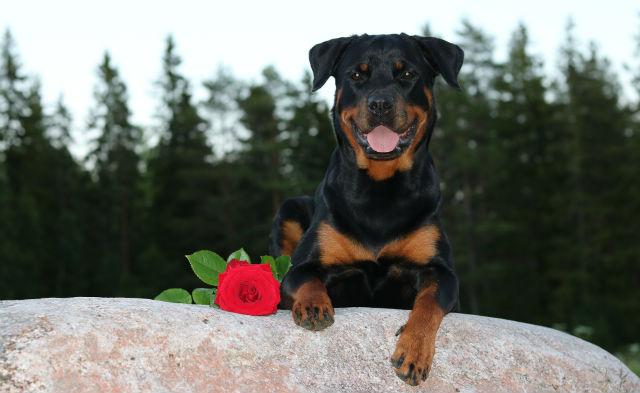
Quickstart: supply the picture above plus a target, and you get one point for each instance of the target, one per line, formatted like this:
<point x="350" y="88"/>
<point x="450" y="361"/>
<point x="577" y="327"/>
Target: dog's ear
<point x="324" y="57"/>
<point x="444" y="57"/>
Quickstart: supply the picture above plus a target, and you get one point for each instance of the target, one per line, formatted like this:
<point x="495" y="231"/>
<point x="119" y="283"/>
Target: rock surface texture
<point x="136" y="345"/>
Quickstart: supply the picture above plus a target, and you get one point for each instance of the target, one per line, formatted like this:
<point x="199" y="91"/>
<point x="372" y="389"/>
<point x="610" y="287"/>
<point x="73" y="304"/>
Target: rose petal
<point x="235" y="263"/>
<point x="257" y="281"/>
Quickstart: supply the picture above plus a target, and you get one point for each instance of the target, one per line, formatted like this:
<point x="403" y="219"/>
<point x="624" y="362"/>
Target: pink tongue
<point x="382" y="139"/>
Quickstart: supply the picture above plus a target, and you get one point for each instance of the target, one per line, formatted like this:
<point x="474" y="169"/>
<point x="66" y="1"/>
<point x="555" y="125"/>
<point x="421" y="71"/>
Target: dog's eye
<point x="407" y="75"/>
<point x="356" y="76"/>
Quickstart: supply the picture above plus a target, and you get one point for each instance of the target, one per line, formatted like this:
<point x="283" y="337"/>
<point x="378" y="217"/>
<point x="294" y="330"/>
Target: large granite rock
<point x="136" y="345"/>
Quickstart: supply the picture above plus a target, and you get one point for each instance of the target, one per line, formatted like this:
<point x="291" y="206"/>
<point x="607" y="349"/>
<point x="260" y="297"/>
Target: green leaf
<point x="203" y="296"/>
<point x="268" y="259"/>
<point x="174" y="295"/>
<point x="207" y="265"/>
<point x="240" y="255"/>
<point x="213" y="298"/>
<point x="283" y="264"/>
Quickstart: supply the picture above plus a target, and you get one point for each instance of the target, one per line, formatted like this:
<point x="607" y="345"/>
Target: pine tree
<point x="465" y="154"/>
<point x="182" y="181"/>
<point x="21" y="132"/>
<point x="60" y="124"/>
<point x="75" y="216"/>
<point x="47" y="209"/>
<point x="597" y="260"/>
<point x="115" y="161"/>
<point x="261" y="159"/>
<point x="228" y="203"/>
<point x="12" y="92"/>
<point x="311" y="139"/>
<point x="526" y="128"/>
<point x="7" y="269"/>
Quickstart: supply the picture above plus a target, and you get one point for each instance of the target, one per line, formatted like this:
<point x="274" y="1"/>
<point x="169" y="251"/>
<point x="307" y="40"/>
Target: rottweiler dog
<point x="371" y="235"/>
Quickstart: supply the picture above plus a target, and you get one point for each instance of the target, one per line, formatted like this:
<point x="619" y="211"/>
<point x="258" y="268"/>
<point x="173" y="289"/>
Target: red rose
<point x="235" y="263"/>
<point x="248" y="289"/>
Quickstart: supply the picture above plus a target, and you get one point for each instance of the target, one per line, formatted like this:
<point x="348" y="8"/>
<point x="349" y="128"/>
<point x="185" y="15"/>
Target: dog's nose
<point x="380" y="105"/>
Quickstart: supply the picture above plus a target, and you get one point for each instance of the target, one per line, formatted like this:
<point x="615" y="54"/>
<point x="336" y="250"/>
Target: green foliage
<point x="207" y="265"/>
<point x="279" y="266"/>
<point x="283" y="264"/>
<point x="203" y="296"/>
<point x="174" y="295"/>
<point x="181" y="181"/>
<point x="116" y="166"/>
<point x="240" y="255"/>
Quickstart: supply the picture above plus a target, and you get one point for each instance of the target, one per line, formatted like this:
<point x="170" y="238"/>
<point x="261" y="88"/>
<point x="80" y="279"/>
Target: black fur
<point x="372" y="212"/>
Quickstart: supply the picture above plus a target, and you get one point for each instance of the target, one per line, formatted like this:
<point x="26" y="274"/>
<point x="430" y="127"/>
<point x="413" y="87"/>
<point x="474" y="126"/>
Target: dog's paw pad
<point x="313" y="316"/>
<point x="413" y="357"/>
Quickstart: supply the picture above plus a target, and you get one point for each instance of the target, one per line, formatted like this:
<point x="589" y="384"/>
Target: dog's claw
<point x="397" y="362"/>
<point x="313" y="317"/>
<point x="412" y="375"/>
<point x="425" y="374"/>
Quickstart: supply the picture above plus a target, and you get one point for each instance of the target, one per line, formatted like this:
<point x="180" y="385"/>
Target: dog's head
<point x="384" y="106"/>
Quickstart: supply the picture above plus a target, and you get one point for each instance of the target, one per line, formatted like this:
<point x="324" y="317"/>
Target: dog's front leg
<point x="415" y="349"/>
<point x="312" y="307"/>
<point x="304" y="292"/>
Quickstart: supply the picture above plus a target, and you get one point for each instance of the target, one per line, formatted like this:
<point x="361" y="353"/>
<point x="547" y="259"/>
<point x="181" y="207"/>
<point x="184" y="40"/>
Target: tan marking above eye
<point x="364" y="67"/>
<point x="398" y="65"/>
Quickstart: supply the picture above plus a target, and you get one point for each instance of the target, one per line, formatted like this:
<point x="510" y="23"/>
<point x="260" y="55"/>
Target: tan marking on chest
<point x="336" y="249"/>
<point x="418" y="247"/>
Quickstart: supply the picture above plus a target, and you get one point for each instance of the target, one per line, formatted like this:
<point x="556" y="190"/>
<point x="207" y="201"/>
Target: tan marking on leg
<point x="415" y="349"/>
<point x="418" y="247"/>
<point x="336" y="248"/>
<point x="312" y="307"/>
<point x="291" y="235"/>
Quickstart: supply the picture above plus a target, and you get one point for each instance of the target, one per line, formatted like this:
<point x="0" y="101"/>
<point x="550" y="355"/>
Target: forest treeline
<point x="539" y="173"/>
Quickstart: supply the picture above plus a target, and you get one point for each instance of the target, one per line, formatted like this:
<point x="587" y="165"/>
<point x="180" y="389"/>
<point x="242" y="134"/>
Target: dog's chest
<point x="417" y="247"/>
<point x="371" y="285"/>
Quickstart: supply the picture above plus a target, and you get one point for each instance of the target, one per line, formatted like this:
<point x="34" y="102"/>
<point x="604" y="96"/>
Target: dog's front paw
<point x="312" y="307"/>
<point x="313" y="315"/>
<point x="413" y="356"/>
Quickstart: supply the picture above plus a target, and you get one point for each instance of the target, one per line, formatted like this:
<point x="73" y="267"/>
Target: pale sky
<point x="62" y="42"/>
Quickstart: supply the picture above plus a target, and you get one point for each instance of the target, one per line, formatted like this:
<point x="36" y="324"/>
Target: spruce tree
<point x="597" y="267"/>
<point x="115" y="164"/>
<point x="182" y="182"/>
<point x="262" y="158"/>
<point x="529" y="178"/>
<point x="75" y="216"/>
<point x="13" y="87"/>
<point x="465" y="154"/>
<point x="45" y="235"/>
<point x="311" y="140"/>
<point x="23" y="149"/>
